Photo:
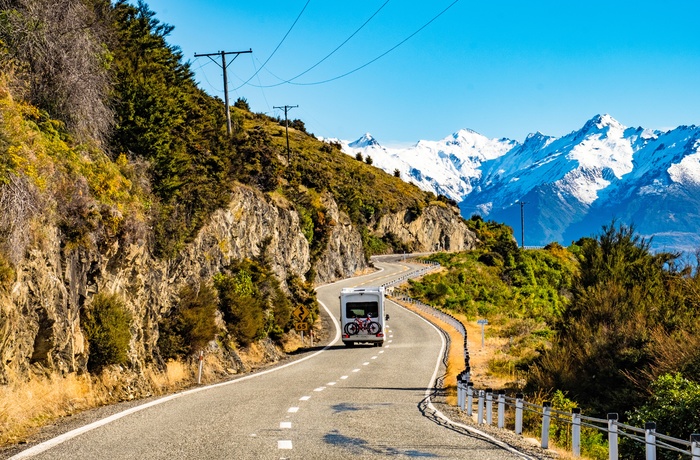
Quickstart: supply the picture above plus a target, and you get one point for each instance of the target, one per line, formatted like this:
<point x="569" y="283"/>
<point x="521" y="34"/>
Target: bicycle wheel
<point x="352" y="329"/>
<point x="374" y="327"/>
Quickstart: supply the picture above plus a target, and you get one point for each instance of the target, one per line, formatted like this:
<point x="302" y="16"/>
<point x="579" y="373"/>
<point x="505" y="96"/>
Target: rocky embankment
<point x="40" y="326"/>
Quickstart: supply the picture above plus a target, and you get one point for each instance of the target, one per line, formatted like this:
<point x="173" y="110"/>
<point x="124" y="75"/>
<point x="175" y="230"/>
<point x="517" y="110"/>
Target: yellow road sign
<point x="301" y="326"/>
<point x="301" y="313"/>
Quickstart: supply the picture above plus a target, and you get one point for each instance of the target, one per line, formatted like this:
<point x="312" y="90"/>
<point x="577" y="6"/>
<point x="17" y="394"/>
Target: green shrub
<point x="192" y="324"/>
<point x="106" y="323"/>
<point x="242" y="305"/>
<point x="674" y="405"/>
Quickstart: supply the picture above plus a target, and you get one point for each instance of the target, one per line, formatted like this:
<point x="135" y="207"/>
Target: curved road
<point x="360" y="402"/>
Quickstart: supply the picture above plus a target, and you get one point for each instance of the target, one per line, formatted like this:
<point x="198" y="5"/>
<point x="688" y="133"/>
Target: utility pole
<point x="522" y="224"/>
<point x="223" y="65"/>
<point x="286" y="125"/>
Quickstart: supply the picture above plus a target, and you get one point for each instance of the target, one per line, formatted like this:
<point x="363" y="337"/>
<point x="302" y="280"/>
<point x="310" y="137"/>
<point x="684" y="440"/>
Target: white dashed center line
<point x="343" y="377"/>
<point x="284" y="444"/>
<point x="373" y="357"/>
<point x="381" y="352"/>
<point x="285" y="425"/>
<point x="366" y="364"/>
<point x="304" y="398"/>
<point x="330" y="384"/>
<point x="292" y="410"/>
<point x="356" y="370"/>
<point x="320" y="389"/>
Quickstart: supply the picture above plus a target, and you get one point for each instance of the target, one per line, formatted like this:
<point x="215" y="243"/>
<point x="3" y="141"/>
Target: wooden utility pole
<point x="223" y="65"/>
<point x="522" y="224"/>
<point x="286" y="125"/>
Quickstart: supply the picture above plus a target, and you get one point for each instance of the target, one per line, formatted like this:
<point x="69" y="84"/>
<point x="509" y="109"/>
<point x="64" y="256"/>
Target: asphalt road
<point x="360" y="402"/>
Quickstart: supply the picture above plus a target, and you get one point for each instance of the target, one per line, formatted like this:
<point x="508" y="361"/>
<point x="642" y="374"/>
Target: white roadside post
<point x="460" y="392"/>
<point x="576" y="431"/>
<point x="489" y="406"/>
<point x="480" y="411"/>
<point x="519" y="413"/>
<point x="650" y="437"/>
<point x="695" y="446"/>
<point x="546" y="415"/>
<point x="612" y="436"/>
<point x="501" y="408"/>
<point x="201" y="363"/>
<point x="470" y="398"/>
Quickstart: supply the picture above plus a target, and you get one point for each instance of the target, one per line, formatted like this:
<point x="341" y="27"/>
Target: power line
<point x="278" y="45"/>
<point x="332" y="52"/>
<point x="383" y="54"/>
<point x="376" y="58"/>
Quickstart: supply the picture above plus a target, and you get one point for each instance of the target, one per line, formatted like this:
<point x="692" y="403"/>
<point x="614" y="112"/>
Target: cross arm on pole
<point x="224" y="66"/>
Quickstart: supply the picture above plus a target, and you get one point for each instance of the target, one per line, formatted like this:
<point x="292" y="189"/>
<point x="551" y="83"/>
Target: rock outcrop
<point x="436" y="228"/>
<point x="40" y="313"/>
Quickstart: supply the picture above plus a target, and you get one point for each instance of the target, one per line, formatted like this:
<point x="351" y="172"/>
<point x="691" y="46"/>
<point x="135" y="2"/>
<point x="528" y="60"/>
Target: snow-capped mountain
<point x="569" y="186"/>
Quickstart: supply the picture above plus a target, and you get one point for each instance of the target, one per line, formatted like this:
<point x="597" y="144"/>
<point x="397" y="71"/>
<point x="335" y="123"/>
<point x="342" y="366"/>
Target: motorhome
<point x="362" y="316"/>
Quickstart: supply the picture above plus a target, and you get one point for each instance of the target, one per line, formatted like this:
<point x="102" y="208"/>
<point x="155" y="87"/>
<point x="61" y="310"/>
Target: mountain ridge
<point x="570" y="185"/>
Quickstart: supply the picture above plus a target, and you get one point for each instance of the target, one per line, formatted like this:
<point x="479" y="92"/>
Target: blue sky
<point x="501" y="68"/>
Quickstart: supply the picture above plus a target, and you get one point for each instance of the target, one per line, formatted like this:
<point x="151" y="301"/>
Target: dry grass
<point x="25" y="406"/>
<point x="479" y="358"/>
<point x="176" y="375"/>
<point x="455" y="355"/>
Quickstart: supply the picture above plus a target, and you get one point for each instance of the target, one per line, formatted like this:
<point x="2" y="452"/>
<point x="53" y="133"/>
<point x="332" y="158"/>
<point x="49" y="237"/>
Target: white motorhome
<point x="362" y="316"/>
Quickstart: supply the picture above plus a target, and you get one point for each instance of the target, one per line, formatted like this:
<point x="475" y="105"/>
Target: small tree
<point x="369" y="160"/>
<point x="242" y="103"/>
<point x="358" y="156"/>
<point x="397" y="173"/>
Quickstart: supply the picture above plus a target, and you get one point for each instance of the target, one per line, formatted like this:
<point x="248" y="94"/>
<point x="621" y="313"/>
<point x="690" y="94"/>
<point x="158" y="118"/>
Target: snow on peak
<point x="600" y="122"/>
<point x="365" y="141"/>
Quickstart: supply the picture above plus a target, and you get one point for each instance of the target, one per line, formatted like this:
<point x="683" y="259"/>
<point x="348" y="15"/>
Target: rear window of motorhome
<point x="362" y="309"/>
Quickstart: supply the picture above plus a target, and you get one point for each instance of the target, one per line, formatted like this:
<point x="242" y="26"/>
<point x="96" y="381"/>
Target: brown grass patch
<point x="479" y="358"/>
<point x="25" y="406"/>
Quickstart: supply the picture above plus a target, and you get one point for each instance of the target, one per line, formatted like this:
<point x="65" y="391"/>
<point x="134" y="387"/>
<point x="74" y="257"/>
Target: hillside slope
<point x="156" y="235"/>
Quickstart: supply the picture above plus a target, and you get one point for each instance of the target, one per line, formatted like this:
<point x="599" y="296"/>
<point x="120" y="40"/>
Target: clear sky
<point x="502" y="68"/>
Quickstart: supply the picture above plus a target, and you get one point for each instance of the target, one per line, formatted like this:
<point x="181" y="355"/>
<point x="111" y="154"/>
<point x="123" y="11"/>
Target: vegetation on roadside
<point x="605" y="324"/>
<point x="106" y="323"/>
<point x="522" y="293"/>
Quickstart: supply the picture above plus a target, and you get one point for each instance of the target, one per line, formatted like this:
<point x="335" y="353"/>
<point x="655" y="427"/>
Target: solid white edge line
<point x="500" y="444"/>
<point x="46" y="445"/>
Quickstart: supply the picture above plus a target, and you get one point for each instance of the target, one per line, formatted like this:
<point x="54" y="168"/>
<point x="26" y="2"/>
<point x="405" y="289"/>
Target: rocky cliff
<point x="434" y="228"/>
<point x="40" y="316"/>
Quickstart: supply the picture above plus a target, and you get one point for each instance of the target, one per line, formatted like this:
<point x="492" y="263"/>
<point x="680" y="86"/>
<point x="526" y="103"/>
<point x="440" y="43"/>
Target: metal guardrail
<point x="468" y="397"/>
<point x="653" y="441"/>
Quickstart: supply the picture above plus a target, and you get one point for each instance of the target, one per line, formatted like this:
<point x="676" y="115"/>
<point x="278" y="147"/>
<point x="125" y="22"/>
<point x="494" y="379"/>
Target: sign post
<point x="482" y="323"/>
<point x="300" y="314"/>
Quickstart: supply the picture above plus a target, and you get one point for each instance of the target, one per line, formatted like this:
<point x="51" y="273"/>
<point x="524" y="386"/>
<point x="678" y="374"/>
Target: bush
<point x="106" y="323"/>
<point x="242" y="305"/>
<point x="674" y="405"/>
<point x="192" y="325"/>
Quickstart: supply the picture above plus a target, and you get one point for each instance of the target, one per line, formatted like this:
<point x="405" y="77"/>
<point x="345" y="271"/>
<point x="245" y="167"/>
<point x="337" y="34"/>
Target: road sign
<point x="482" y="323"/>
<point x="301" y="326"/>
<point x="301" y="313"/>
